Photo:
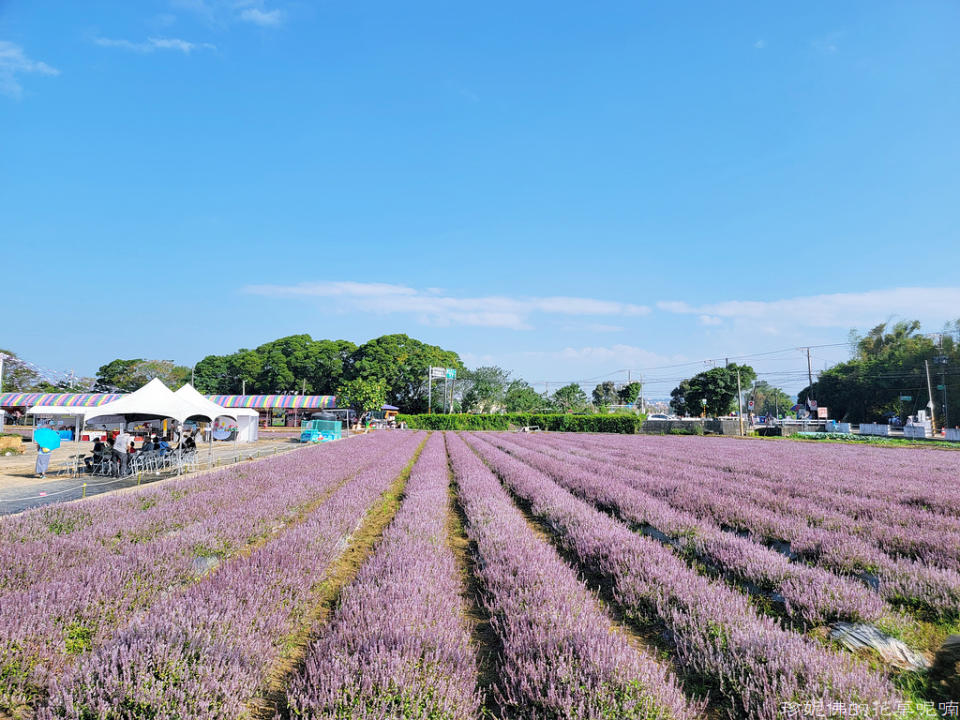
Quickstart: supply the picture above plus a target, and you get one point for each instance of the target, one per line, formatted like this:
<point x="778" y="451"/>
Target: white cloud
<point x="264" y="18"/>
<point x="828" y="44"/>
<point x="14" y="62"/>
<point x="839" y="310"/>
<point x="224" y="12"/>
<point x="153" y="44"/>
<point x="438" y="308"/>
<point x="623" y="355"/>
<point x="593" y="327"/>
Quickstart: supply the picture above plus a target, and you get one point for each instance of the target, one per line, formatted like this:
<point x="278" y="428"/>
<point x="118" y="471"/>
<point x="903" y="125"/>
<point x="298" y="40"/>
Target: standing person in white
<point x="120" y="446"/>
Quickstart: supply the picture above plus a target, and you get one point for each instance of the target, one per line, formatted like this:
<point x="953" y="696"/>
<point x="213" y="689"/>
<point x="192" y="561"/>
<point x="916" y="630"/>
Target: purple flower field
<point x="522" y="576"/>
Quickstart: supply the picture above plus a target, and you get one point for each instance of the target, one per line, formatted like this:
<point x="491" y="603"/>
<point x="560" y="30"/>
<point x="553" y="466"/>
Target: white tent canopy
<point x="210" y="409"/>
<point x="154" y="401"/>
<point x="247" y="419"/>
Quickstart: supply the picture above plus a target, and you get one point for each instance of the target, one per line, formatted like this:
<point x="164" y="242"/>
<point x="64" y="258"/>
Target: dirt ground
<point x="20" y="488"/>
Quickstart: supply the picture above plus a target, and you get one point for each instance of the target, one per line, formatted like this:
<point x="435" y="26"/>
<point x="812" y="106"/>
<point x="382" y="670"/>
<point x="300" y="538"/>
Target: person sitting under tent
<point x="161" y="446"/>
<point x="99" y="449"/>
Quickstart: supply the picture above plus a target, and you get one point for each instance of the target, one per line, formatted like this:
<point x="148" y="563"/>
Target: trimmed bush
<point x="558" y="422"/>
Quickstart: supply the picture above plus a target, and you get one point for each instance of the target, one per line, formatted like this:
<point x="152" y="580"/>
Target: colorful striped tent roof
<point x="57" y="399"/>
<point x="268" y="402"/>
<point x="257" y="402"/>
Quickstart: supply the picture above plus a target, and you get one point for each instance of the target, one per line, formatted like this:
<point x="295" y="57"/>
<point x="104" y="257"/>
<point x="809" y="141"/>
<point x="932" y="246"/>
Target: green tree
<point x="486" y="389"/>
<point x="570" y="398"/>
<point x="770" y="400"/>
<point x="17" y="375"/>
<point x="629" y="394"/>
<point x="605" y="394"/>
<point x="117" y="376"/>
<point x="244" y="368"/>
<point x="718" y="386"/>
<point x="275" y="376"/>
<point x="520" y="397"/>
<point x="211" y="375"/>
<point x="402" y="362"/>
<point x="887" y="366"/>
<point x="678" y="399"/>
<point x="168" y="372"/>
<point x="362" y="394"/>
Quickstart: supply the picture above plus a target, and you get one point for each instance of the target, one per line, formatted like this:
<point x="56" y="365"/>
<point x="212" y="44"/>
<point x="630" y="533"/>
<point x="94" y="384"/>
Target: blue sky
<point x="564" y="189"/>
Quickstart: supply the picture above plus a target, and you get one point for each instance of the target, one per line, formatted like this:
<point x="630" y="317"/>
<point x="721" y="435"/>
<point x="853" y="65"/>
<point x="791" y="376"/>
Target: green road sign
<point x="451" y="374"/>
<point x="906" y="398"/>
<point x="939" y="387"/>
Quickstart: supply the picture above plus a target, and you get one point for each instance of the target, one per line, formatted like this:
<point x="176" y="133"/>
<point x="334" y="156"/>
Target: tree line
<point x="887" y="375"/>
<point x="389" y="369"/>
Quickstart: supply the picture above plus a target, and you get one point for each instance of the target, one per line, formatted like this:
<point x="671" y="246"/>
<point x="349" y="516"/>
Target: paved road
<point x="21" y="492"/>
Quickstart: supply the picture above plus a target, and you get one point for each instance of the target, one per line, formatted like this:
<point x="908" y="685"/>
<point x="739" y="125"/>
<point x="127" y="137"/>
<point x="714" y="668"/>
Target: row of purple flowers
<point x="207" y="652"/>
<point x="717" y="634"/>
<point x="399" y="638"/>
<point x="931" y="590"/>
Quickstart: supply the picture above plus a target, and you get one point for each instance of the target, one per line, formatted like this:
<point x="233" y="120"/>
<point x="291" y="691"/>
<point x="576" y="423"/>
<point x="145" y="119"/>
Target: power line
<point x="706" y="361"/>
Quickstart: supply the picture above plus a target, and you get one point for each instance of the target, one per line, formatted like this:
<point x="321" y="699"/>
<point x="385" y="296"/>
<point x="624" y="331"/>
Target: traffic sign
<point x="438" y="372"/>
<point x="939" y="387"/>
<point x="906" y="398"/>
<point x="451" y="373"/>
<point x="750" y="404"/>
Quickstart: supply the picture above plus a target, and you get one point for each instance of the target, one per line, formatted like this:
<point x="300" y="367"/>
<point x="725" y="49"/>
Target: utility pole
<point x="933" y="419"/>
<point x="809" y="378"/>
<point x="193" y="375"/>
<point x="942" y="359"/>
<point x="243" y="387"/>
<point x="643" y="405"/>
<point x="430" y="390"/>
<point x="739" y="402"/>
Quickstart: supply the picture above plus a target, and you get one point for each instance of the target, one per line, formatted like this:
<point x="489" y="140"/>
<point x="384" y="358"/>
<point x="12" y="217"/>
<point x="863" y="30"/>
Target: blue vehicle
<point x="320" y="430"/>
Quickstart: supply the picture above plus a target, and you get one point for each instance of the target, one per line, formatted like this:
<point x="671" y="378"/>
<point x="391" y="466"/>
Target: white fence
<point x="952" y="434"/>
<point x="838" y="427"/>
<point x="874" y="429"/>
<point x="917" y="431"/>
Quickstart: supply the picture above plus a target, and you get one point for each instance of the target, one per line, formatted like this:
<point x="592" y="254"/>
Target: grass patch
<point x="484" y="640"/>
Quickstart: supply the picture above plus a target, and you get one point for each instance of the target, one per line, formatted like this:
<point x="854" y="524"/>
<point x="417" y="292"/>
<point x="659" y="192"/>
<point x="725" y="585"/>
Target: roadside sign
<point x="750" y="404"/>
<point x="939" y="387"/>
<point x="451" y="373"/>
<point x="906" y="398"/>
<point x="438" y="372"/>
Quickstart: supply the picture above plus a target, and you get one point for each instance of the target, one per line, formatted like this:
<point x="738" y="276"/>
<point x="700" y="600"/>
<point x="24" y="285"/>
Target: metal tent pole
<point x="76" y="440"/>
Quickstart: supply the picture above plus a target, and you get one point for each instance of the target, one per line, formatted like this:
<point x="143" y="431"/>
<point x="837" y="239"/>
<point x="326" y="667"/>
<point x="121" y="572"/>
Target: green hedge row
<point x="624" y="424"/>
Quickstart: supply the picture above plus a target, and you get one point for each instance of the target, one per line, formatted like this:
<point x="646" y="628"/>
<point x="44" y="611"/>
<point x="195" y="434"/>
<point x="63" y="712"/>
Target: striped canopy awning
<point x="270" y="402"/>
<point x="257" y="402"/>
<point x="57" y="399"/>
